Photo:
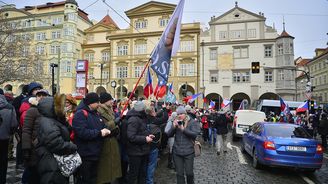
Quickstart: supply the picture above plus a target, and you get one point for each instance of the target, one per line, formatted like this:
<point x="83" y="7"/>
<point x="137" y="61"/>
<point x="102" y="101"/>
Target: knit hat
<point x="42" y="92"/>
<point x="91" y="98"/>
<point x="139" y="106"/>
<point x="104" y="97"/>
<point x="1" y="92"/>
<point x="188" y="108"/>
<point x="181" y="110"/>
<point x="34" y="85"/>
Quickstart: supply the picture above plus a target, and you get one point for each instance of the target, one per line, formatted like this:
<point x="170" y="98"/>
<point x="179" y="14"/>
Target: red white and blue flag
<point x="225" y="103"/>
<point x="167" y="46"/>
<point x="148" y="90"/>
<point x="284" y="108"/>
<point x="171" y="88"/>
<point x="212" y="105"/>
<point x="303" y="107"/>
<point x="242" y="104"/>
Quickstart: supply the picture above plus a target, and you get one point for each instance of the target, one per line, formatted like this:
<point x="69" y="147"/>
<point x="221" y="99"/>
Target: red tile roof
<point x="303" y="62"/>
<point x="107" y="20"/>
<point x="47" y="5"/>
<point x="284" y="34"/>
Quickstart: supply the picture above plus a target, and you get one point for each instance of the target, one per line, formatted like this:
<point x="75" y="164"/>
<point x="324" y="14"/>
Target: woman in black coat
<point x="53" y="138"/>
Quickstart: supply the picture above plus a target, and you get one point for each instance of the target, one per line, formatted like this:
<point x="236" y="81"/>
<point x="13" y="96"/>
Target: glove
<point x="115" y="132"/>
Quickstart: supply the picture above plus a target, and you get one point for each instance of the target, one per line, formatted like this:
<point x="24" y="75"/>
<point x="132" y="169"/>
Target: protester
<point x="70" y="109"/>
<point x="185" y="130"/>
<point x="323" y="129"/>
<point x="89" y="136"/>
<point x="205" y="126"/>
<point x="8" y="125"/>
<point x="212" y="128"/>
<point x="109" y="167"/>
<point x="222" y="131"/>
<point x="170" y="162"/>
<point x="53" y="138"/>
<point x="29" y="138"/>
<point x="138" y="146"/>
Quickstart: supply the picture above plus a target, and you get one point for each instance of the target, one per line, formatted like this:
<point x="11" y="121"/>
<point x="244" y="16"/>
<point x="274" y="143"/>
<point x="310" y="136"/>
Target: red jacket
<point x="22" y="111"/>
<point x="204" y="122"/>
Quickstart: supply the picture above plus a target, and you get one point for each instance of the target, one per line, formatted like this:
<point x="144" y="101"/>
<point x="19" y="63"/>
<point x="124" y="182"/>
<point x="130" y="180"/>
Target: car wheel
<point x="256" y="164"/>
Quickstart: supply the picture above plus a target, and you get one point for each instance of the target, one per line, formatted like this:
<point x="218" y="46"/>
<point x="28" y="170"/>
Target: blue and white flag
<point x="167" y="46"/>
<point x="170" y="97"/>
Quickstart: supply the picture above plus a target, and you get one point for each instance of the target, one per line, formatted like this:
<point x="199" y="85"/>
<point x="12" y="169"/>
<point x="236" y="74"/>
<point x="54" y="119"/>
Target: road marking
<point x="325" y="156"/>
<point x="239" y="153"/>
<point x="307" y="180"/>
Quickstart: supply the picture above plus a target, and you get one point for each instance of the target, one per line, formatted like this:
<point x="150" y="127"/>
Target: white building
<point x="235" y="40"/>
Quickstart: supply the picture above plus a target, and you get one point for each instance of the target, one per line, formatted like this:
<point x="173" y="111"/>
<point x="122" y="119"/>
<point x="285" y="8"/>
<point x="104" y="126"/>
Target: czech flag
<point x="225" y="103"/>
<point x="171" y="88"/>
<point x="160" y="90"/>
<point x="303" y="107"/>
<point x="148" y="90"/>
<point x="284" y="107"/>
<point x="212" y="105"/>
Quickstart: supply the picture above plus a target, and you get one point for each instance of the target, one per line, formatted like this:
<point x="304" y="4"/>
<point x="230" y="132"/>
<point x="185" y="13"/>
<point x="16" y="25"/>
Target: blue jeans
<point x="152" y="162"/>
<point x="212" y="135"/>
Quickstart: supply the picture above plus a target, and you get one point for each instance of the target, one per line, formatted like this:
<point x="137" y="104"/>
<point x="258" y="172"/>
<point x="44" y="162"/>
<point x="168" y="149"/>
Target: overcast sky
<point x="306" y="20"/>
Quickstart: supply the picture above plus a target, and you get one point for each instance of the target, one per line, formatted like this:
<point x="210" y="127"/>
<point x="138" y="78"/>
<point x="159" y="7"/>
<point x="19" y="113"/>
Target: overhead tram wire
<point x="90" y="5"/>
<point x="104" y="1"/>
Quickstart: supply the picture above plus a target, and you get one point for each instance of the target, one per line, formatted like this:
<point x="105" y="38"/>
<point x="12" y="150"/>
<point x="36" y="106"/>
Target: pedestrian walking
<point x="90" y="131"/>
<point x="170" y="162"/>
<point x="8" y="125"/>
<point x="109" y="167"/>
<point x="185" y="130"/>
<point x="205" y="126"/>
<point x="222" y="131"/>
<point x="212" y="128"/>
<point x="323" y="129"/>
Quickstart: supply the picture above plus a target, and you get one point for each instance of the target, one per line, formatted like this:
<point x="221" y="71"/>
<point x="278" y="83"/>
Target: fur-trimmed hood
<point x="59" y="104"/>
<point x="52" y="107"/>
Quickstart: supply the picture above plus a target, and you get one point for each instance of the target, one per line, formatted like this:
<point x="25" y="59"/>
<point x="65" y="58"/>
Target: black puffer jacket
<point x="53" y="138"/>
<point x="221" y="124"/>
<point x="137" y="132"/>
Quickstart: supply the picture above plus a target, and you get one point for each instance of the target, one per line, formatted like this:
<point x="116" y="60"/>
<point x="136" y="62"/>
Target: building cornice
<point x="238" y="42"/>
<point x="236" y="22"/>
<point x="95" y="45"/>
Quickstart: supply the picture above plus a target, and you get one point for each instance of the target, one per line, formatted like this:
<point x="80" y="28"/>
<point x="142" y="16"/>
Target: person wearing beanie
<point x="185" y="131"/>
<point x="33" y="87"/>
<point x="89" y="134"/>
<point x="138" y="145"/>
<point x="109" y="167"/>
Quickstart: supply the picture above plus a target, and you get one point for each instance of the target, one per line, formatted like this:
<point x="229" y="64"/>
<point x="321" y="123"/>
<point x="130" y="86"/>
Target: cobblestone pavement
<point x="224" y="169"/>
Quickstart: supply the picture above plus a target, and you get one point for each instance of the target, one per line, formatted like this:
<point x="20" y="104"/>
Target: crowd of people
<point x="118" y="141"/>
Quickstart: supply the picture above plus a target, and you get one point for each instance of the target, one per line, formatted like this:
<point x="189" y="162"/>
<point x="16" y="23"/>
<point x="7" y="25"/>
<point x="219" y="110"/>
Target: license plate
<point x="296" y="148"/>
<point x="243" y="126"/>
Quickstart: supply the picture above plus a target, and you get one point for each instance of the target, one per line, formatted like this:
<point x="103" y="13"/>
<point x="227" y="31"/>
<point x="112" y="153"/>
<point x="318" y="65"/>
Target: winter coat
<point x="205" y="122"/>
<point x="323" y="127"/>
<point x="8" y="121"/>
<point x="22" y="111"/>
<point x="184" y="140"/>
<point x="17" y="103"/>
<point x="87" y="132"/>
<point x="137" y="132"/>
<point x="29" y="134"/>
<point x="221" y="124"/>
<point x="53" y="138"/>
<point x="109" y="165"/>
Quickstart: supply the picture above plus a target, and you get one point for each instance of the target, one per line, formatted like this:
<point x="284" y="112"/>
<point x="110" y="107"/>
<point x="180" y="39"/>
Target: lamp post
<point x="101" y="72"/>
<point x="53" y="65"/>
<point x="113" y="84"/>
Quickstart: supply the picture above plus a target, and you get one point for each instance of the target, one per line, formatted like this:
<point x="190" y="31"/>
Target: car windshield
<point x="286" y="131"/>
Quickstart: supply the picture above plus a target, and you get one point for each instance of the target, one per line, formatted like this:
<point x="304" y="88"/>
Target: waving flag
<point x="242" y="104"/>
<point x="225" y="103"/>
<point x="170" y="97"/>
<point x="168" y="46"/>
<point x="160" y="90"/>
<point x="171" y="88"/>
<point x="194" y="97"/>
<point x="303" y="107"/>
<point x="212" y="105"/>
<point x="148" y="90"/>
<point x="284" y="106"/>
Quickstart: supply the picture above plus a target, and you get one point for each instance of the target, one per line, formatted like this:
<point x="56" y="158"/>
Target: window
<point x="122" y="50"/>
<point x="40" y="36"/>
<point x="26" y="24"/>
<point x="25" y="51"/>
<point x="122" y="72"/>
<point x="89" y="56"/>
<point x="71" y="16"/>
<point x="138" y="70"/>
<point x="141" y="24"/>
<point x="90" y="73"/>
<point x="325" y="79"/>
<point x="140" y="48"/>
<point x="54" y="49"/>
<point x="223" y="35"/>
<point x="69" y="31"/>
<point x="241" y="77"/>
<point x="236" y="34"/>
<point x="66" y="66"/>
<point x="240" y="52"/>
<point x="251" y="33"/>
<point x="26" y="37"/>
<point x="11" y="38"/>
<point x="280" y="49"/>
<point x="268" y="76"/>
<point x="55" y="34"/>
<point x="23" y="69"/>
<point x="268" y="51"/>
<point x="57" y="20"/>
<point x="213" y="54"/>
<point x="105" y="56"/>
<point x="281" y="75"/>
<point x="42" y="23"/>
<point x="39" y="49"/>
<point x="214" y="77"/>
<point x="163" y="22"/>
<point x="187" y="46"/>
<point x="291" y="48"/>
<point x="105" y="74"/>
<point x="187" y="69"/>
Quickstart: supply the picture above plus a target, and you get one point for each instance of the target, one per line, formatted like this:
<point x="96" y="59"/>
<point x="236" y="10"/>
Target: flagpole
<point x="134" y="89"/>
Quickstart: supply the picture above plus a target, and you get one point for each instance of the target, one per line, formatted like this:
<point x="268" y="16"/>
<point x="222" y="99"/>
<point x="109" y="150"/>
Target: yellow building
<point x="57" y="32"/>
<point x="131" y="49"/>
<point x="96" y="49"/>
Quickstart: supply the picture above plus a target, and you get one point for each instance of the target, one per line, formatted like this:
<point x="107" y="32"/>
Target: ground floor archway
<point x="269" y="96"/>
<point x="100" y="89"/>
<point x="238" y="98"/>
<point x="216" y="98"/>
<point x="186" y="90"/>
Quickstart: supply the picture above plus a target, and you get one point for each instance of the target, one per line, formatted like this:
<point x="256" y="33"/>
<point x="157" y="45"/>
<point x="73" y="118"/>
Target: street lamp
<point x="101" y="72"/>
<point x="53" y="65"/>
<point x="113" y="84"/>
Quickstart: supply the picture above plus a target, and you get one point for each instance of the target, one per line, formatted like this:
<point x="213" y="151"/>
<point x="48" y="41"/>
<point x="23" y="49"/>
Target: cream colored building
<point x="131" y="49"/>
<point x="57" y="32"/>
<point x="234" y="40"/>
<point x="96" y="49"/>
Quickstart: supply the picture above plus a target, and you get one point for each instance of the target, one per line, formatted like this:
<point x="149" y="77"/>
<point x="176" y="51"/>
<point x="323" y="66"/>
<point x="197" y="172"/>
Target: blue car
<point x="282" y="144"/>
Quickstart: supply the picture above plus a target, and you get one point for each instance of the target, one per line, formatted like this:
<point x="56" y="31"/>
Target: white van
<point x="245" y="119"/>
<point x="268" y="106"/>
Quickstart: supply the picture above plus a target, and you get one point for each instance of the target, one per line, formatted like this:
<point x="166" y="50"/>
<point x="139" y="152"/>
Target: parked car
<point x="282" y="144"/>
<point x="245" y="119"/>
